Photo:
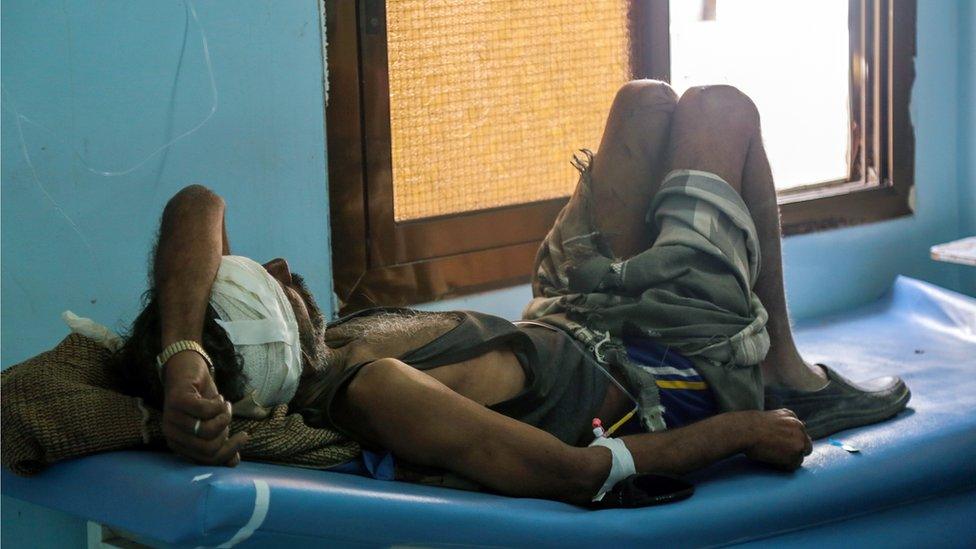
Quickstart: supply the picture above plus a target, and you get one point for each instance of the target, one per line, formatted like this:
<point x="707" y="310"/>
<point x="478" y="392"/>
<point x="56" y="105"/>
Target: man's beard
<point x="316" y="355"/>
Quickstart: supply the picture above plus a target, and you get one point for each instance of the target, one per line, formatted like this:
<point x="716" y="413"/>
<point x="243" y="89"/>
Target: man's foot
<point x="841" y="404"/>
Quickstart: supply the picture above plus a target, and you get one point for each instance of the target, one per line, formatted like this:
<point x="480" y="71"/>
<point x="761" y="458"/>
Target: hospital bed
<point x="912" y="482"/>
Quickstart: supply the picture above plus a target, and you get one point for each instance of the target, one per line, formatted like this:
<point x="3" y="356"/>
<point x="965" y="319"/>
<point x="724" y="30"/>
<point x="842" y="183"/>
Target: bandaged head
<point x="260" y="322"/>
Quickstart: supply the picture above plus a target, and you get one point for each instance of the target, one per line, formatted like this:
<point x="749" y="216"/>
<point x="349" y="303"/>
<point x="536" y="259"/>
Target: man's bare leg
<point x="626" y="174"/>
<point x="628" y="167"/>
<point x="824" y="400"/>
<point x="736" y="154"/>
<point x="783" y="364"/>
<point x="392" y="405"/>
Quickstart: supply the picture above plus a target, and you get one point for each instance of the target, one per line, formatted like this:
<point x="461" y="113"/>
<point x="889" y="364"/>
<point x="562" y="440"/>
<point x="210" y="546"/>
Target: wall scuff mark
<point x="21" y="118"/>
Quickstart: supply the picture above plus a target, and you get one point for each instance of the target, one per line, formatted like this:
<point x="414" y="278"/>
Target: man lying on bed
<point x="652" y="274"/>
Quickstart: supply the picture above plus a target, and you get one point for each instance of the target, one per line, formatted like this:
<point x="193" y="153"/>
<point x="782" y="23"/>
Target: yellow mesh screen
<point x="489" y="98"/>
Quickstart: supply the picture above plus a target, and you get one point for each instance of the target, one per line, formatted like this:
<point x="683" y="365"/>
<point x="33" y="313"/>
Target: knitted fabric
<point x="66" y="403"/>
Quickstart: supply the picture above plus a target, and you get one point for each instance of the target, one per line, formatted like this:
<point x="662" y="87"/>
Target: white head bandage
<point x="260" y="322"/>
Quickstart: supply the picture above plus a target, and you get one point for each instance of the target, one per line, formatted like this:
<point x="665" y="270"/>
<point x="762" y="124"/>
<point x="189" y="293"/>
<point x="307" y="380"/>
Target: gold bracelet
<point x="179" y="347"/>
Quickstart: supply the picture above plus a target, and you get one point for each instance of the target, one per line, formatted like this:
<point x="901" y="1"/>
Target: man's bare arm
<point x="394" y="406"/>
<point x="191" y="241"/>
<point x="187" y="257"/>
<point x="776" y="438"/>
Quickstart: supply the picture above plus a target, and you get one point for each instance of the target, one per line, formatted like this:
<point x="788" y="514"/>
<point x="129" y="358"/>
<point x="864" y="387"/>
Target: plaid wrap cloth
<point x="66" y="403"/>
<point x="691" y="291"/>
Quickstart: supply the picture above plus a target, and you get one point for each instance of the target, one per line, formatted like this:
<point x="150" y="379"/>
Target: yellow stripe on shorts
<point x="692" y="385"/>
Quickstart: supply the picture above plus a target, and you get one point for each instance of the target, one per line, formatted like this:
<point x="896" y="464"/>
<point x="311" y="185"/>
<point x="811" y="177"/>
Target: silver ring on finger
<point x="196" y="428"/>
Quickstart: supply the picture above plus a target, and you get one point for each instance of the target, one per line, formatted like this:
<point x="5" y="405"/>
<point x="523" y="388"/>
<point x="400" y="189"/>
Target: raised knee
<point x="719" y="100"/>
<point x="645" y="93"/>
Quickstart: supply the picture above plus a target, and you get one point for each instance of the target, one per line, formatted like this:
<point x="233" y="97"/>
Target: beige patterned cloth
<point x="66" y="403"/>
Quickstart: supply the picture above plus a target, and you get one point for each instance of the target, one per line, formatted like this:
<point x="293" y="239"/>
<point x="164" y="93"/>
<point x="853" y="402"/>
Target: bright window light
<point x="792" y="58"/>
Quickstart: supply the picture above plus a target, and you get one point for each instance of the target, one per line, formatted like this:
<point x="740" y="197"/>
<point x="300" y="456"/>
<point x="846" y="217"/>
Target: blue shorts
<point x="685" y="395"/>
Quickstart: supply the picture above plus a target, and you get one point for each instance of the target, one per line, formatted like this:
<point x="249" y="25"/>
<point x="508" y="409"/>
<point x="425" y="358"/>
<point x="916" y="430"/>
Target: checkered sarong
<point x="691" y="291"/>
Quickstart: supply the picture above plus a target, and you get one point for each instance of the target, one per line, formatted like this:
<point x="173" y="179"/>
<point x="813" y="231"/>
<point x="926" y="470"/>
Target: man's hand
<point x="191" y="396"/>
<point x="778" y="439"/>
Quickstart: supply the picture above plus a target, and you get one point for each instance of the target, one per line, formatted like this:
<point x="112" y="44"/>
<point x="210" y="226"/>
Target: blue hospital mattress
<point x="913" y="482"/>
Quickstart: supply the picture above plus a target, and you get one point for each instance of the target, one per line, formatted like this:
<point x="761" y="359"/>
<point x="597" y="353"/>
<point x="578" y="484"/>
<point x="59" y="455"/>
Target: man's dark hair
<point x="135" y="361"/>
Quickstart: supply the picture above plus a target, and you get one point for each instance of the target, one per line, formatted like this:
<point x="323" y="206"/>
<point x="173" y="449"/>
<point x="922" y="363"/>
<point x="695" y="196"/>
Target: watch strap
<point x="178" y="347"/>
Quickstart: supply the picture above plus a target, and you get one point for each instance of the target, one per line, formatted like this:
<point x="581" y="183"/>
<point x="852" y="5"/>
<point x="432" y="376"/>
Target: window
<point x="792" y="57"/>
<point x="430" y="197"/>
<point x="879" y="144"/>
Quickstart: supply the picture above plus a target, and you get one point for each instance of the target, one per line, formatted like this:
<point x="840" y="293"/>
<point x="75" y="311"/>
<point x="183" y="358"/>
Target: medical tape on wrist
<point x="621" y="463"/>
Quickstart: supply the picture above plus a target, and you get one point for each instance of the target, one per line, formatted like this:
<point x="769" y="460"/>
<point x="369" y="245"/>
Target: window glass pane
<point x="791" y="57"/>
<point x="489" y="99"/>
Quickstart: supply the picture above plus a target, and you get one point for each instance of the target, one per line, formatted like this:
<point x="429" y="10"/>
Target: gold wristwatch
<point x="179" y="347"/>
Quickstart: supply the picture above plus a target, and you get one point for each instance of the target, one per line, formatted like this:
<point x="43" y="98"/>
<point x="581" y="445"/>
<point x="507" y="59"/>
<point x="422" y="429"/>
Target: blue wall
<point x="103" y="85"/>
<point x="967" y="129"/>
<point x="107" y="81"/>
